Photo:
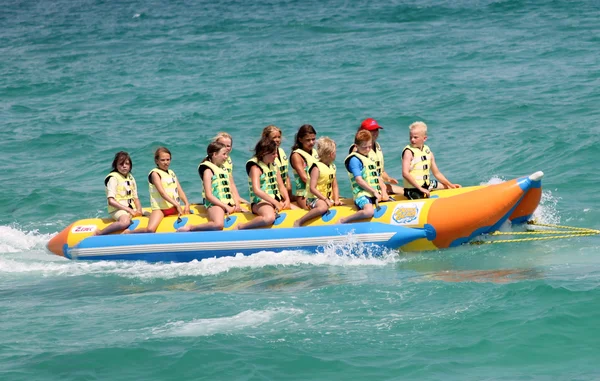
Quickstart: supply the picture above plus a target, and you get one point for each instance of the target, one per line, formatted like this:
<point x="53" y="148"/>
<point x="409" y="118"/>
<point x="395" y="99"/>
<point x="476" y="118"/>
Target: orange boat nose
<point x="57" y="243"/>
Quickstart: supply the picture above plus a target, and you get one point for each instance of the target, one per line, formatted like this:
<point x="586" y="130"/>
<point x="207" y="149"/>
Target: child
<point x="376" y="154"/>
<point x="121" y="193"/>
<point x="267" y="192"/>
<point x="225" y="138"/>
<point x="165" y="192"/>
<point x="219" y="199"/>
<point x="274" y="133"/>
<point x="417" y="159"/>
<point x="302" y="158"/>
<point x="365" y="181"/>
<point x="323" y="183"/>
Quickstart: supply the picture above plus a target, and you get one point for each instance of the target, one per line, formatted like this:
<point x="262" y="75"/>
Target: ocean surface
<point x="507" y="88"/>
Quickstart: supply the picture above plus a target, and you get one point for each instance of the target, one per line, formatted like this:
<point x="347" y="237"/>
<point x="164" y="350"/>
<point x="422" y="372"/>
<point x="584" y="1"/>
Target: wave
<point x="229" y="324"/>
<point x="25" y="253"/>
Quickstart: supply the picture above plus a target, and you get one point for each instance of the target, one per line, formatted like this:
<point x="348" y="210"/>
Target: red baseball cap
<point x="369" y="124"/>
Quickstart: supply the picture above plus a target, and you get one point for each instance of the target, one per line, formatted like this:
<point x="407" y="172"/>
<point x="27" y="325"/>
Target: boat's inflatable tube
<point x="449" y="218"/>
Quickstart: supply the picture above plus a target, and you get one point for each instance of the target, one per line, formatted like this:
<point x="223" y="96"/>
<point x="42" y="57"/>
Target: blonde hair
<point x="224" y="135"/>
<point x="418" y="126"/>
<point x="325" y="146"/>
<point x="267" y="131"/>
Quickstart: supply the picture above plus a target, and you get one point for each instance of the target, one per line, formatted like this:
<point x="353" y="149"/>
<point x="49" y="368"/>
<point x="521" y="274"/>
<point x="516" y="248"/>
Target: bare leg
<point x="155" y="217"/>
<point x="122" y="224"/>
<point x="394" y="189"/>
<point x="301" y="201"/>
<point x="318" y="210"/>
<point x="216" y="218"/>
<point x="367" y="212"/>
<point x="265" y="216"/>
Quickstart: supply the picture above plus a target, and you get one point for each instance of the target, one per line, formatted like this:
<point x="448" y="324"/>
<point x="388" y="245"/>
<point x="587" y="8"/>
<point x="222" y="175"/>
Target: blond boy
<point x="418" y="163"/>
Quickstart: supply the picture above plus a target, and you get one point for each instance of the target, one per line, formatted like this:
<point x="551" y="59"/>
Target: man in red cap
<point x="376" y="154"/>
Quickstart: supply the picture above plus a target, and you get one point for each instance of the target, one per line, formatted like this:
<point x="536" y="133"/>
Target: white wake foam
<point x="228" y="324"/>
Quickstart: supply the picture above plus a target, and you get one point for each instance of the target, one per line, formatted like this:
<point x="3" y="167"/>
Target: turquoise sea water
<point x="506" y="87"/>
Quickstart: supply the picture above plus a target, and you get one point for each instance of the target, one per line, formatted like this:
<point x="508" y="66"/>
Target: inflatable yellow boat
<point x="449" y="218"/>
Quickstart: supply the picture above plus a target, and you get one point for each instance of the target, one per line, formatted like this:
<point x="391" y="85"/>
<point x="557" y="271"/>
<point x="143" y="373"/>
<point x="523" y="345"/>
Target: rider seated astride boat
<point x="376" y="154"/>
<point x="323" y="190"/>
<point x="227" y="140"/>
<point x="417" y="162"/>
<point x="218" y="198"/>
<point x="165" y="192"/>
<point x="267" y="192"/>
<point x="364" y="178"/>
<point x="121" y="194"/>
<point x="302" y="158"/>
<point x="274" y="133"/>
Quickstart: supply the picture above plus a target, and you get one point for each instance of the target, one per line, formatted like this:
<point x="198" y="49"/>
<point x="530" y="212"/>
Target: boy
<point x="417" y="161"/>
<point x="323" y="190"/>
<point x="364" y="178"/>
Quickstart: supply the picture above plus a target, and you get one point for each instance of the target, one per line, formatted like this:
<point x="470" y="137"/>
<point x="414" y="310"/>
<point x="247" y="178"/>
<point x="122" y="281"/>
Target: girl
<point x="323" y="184"/>
<point x="267" y="192"/>
<point x="227" y="140"/>
<point x="215" y="179"/>
<point x="364" y="178"/>
<point x="274" y="133"/>
<point x="121" y="193"/>
<point x="165" y="192"/>
<point x="302" y="158"/>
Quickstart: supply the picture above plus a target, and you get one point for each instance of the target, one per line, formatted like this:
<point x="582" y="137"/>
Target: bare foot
<point x="184" y="229"/>
<point x="341" y="221"/>
<point x="127" y="231"/>
<point x="297" y="224"/>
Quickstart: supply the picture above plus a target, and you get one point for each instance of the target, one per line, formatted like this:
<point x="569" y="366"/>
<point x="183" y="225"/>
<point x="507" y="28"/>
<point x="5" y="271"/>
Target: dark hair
<point x="120" y="157"/>
<point x="213" y="148"/>
<point x="304" y="130"/>
<point x="264" y="147"/>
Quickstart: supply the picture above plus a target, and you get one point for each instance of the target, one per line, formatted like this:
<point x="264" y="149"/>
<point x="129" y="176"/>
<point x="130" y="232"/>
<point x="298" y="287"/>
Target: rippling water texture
<point x="507" y="88"/>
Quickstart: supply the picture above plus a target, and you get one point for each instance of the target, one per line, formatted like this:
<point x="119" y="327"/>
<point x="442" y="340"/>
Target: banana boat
<point x="449" y="218"/>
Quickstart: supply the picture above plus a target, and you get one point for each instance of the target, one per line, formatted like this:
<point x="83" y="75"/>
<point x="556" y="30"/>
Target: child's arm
<point x="207" y="185"/>
<point x="384" y="194"/>
<point x="114" y="203"/>
<point x="336" y="193"/>
<point x="407" y="157"/>
<point x="314" y="178"/>
<point x="155" y="177"/>
<point x="138" y="208"/>
<point x="298" y="164"/>
<point x="236" y="195"/>
<point x="182" y="196"/>
<point x="439" y="176"/>
<point x="283" y="191"/>
<point x="386" y="178"/>
<point x="255" y="179"/>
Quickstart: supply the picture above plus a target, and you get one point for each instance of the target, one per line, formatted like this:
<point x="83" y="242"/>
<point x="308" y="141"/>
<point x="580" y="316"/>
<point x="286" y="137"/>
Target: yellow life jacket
<point x="268" y="180"/>
<point x="168" y="181"/>
<point x="309" y="159"/>
<point x="282" y="162"/>
<point x="126" y="188"/>
<point x="419" y="166"/>
<point x="325" y="180"/>
<point x="219" y="183"/>
<point x="375" y="154"/>
<point x="227" y="166"/>
<point x="369" y="174"/>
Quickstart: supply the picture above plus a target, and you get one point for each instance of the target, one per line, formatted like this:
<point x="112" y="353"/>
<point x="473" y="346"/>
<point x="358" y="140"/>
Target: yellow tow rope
<point x="564" y="232"/>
